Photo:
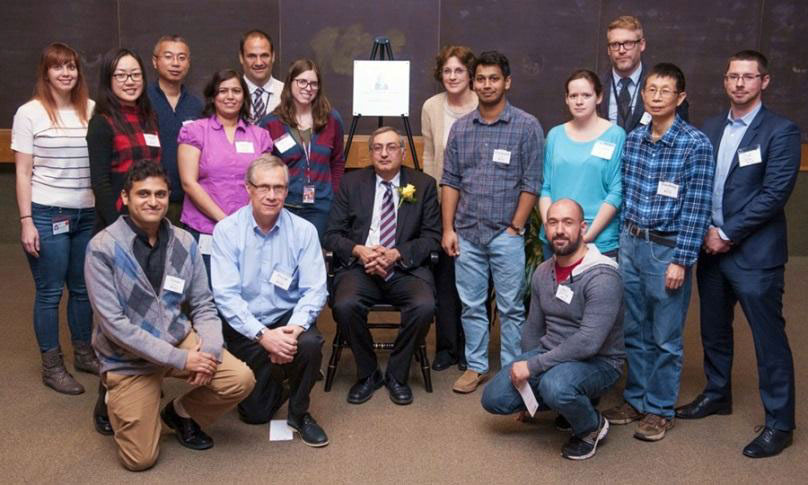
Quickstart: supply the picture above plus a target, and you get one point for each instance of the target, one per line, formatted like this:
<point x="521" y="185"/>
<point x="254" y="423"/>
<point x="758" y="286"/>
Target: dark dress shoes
<point x="100" y="416"/>
<point x="461" y="364"/>
<point x="400" y="394"/>
<point x="364" y="388"/>
<point x="443" y="360"/>
<point x="704" y="406"/>
<point x="189" y="434"/>
<point x="310" y="432"/>
<point x="768" y="443"/>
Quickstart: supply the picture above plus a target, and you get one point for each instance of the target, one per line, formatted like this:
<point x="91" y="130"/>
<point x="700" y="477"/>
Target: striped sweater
<point x="137" y="331"/>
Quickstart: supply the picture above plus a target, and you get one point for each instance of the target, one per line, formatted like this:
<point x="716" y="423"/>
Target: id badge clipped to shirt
<point x="60" y="224"/>
<point x="308" y="194"/>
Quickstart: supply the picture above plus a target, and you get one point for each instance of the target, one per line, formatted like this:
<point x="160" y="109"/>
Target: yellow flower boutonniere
<point x="406" y="194"/>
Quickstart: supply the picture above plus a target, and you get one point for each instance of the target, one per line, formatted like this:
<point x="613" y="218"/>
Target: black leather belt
<point x="664" y="238"/>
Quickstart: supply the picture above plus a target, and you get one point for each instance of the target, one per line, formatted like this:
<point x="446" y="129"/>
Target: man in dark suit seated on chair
<point x="384" y="223"/>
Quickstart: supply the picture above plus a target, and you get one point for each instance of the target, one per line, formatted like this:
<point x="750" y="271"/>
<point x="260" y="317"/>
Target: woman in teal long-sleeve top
<point x="582" y="162"/>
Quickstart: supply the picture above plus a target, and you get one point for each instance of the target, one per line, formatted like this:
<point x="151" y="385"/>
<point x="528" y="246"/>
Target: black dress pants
<point x="448" y="326"/>
<point x="267" y="395"/>
<point x="356" y="291"/>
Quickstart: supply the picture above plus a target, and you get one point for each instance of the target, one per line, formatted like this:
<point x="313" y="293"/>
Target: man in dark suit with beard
<point x="743" y="257"/>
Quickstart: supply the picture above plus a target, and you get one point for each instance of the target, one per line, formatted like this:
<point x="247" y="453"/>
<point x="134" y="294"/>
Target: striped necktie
<point x="259" y="108"/>
<point x="387" y="221"/>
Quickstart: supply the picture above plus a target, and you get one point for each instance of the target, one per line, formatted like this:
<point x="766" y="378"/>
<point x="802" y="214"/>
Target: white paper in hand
<point x="528" y="397"/>
<point x="279" y="430"/>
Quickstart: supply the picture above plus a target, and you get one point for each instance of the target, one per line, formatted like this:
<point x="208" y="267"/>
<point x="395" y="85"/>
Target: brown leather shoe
<point x="622" y="414"/>
<point x="653" y="427"/>
<point x="468" y="382"/>
<point x="55" y="376"/>
<point x="84" y="359"/>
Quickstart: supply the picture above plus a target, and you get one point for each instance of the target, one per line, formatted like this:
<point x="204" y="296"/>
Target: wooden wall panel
<point x="336" y="33"/>
<point x="785" y="43"/>
<point x="544" y="42"/>
<point x="89" y="26"/>
<point x="212" y="28"/>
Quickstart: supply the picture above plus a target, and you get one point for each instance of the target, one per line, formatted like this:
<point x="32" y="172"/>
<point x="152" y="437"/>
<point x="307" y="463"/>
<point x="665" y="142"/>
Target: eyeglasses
<point x="627" y="45"/>
<point x="121" y="77"/>
<point x="747" y="78"/>
<point x="265" y="189"/>
<point x="168" y="56"/>
<point x="391" y="147"/>
<point x="458" y="71"/>
<point x="304" y="84"/>
<point x="664" y="92"/>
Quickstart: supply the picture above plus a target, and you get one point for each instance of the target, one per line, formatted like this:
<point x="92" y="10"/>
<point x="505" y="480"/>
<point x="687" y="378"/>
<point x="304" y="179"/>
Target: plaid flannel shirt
<point x="129" y="144"/>
<point x="683" y="157"/>
<point x="489" y="190"/>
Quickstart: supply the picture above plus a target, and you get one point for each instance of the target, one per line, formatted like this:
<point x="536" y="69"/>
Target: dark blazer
<point x="418" y="226"/>
<point x="754" y="195"/>
<point x="639" y="108"/>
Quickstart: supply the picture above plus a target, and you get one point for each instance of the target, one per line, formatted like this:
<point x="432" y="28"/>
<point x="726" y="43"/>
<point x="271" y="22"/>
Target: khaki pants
<point x="134" y="404"/>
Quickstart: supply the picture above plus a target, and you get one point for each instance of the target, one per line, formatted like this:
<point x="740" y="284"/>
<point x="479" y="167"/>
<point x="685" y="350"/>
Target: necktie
<point x="387" y="221"/>
<point x="623" y="103"/>
<point x="259" y="108"/>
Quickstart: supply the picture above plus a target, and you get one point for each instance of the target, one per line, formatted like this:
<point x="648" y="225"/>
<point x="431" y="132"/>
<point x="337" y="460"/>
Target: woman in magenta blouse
<point x="213" y="154"/>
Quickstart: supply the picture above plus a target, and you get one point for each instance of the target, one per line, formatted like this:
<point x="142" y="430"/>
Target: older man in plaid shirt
<point x="667" y="184"/>
<point x="491" y="175"/>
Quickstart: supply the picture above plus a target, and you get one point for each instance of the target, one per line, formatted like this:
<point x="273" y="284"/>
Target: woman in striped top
<point x="56" y="208"/>
<point x="308" y="137"/>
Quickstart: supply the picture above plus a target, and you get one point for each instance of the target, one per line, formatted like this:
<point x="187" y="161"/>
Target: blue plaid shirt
<point x="489" y="189"/>
<point x="684" y="157"/>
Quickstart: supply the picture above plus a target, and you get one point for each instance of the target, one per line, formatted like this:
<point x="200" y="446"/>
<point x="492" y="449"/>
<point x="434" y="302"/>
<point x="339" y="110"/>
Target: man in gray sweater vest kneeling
<point x="573" y="337"/>
<point x="140" y="272"/>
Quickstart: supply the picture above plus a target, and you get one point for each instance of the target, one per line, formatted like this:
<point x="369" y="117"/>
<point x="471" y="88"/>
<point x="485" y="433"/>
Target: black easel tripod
<point x="381" y="47"/>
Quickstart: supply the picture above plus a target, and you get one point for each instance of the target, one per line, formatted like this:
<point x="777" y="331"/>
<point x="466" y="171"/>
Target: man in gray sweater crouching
<point x="572" y="341"/>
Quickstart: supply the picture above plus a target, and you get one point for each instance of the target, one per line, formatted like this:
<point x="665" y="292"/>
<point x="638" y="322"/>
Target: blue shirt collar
<point x="505" y="116"/>
<point x="282" y="221"/>
<point x="635" y="76"/>
<point x="745" y="119"/>
<point x="669" y="136"/>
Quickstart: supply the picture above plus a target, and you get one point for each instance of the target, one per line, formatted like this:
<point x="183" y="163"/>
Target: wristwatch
<point x="518" y="230"/>
<point x="259" y="334"/>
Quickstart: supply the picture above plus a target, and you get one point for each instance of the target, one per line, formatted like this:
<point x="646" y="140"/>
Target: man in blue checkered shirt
<point x="667" y="198"/>
<point x="491" y="177"/>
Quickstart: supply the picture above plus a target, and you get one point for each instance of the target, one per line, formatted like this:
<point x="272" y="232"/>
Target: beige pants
<point x="134" y="404"/>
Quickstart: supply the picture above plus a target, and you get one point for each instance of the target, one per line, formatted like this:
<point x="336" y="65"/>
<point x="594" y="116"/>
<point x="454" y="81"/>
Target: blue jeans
<point x="314" y="214"/>
<point x="504" y="257"/>
<point x="567" y="388"/>
<point x="60" y="262"/>
<point x="205" y="257"/>
<point x="653" y="326"/>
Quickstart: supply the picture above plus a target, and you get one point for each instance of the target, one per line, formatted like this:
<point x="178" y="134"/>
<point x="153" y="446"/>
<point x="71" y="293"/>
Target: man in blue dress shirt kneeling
<point x="269" y="282"/>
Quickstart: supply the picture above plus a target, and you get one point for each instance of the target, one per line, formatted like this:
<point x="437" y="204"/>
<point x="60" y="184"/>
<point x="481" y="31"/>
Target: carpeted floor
<point x="441" y="438"/>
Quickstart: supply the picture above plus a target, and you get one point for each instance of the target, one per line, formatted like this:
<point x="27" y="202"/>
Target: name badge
<point x="284" y="143"/>
<point x="749" y="156"/>
<point x="151" y="140"/>
<point x="603" y="149"/>
<point x="281" y="280"/>
<point x="172" y="283"/>
<point x="668" y="189"/>
<point x="646" y="118"/>
<point x="187" y="122"/>
<point x="205" y="243"/>
<point x="61" y="226"/>
<point x="244" y="147"/>
<point x="502" y="156"/>
<point x="564" y="293"/>
<point x="308" y="194"/>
